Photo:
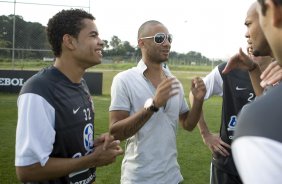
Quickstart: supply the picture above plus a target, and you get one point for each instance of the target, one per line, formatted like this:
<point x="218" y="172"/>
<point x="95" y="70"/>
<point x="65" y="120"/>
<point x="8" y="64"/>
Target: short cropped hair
<point x="65" y="22"/>
<point x="142" y="30"/>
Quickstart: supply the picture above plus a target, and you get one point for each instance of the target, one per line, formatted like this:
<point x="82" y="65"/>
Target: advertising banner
<point x="12" y="80"/>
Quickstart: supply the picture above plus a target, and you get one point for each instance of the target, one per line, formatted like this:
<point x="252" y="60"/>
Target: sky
<point x="214" y="28"/>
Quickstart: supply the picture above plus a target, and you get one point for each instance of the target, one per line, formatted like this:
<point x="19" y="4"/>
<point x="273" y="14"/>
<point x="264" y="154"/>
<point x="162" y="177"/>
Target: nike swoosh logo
<point x="240" y="89"/>
<point x="75" y="110"/>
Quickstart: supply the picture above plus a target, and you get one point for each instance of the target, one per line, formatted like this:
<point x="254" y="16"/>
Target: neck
<point x="264" y="62"/>
<point x="153" y="68"/>
<point x="73" y="72"/>
<point x="154" y="73"/>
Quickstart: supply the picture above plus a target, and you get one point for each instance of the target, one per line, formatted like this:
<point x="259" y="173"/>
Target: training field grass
<point x="193" y="155"/>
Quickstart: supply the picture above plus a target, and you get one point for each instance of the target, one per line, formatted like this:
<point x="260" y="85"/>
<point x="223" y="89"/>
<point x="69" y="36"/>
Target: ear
<point x="276" y="12"/>
<point x="69" y="41"/>
<point x="140" y="43"/>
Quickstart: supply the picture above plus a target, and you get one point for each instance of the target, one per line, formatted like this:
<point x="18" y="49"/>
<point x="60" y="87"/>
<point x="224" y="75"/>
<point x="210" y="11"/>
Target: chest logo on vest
<point x="88" y="134"/>
<point x="232" y="123"/>
<point x="74" y="111"/>
<point x="240" y="89"/>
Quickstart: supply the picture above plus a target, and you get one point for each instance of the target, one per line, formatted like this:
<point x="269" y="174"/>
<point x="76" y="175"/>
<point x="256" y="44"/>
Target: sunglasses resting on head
<point x="159" y="38"/>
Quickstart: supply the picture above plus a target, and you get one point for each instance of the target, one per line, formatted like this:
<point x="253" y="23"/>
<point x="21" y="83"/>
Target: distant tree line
<point x="31" y="43"/>
<point x="28" y="36"/>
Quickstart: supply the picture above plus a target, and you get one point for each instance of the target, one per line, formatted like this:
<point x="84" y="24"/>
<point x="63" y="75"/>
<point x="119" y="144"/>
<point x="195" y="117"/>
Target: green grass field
<point x="193" y="155"/>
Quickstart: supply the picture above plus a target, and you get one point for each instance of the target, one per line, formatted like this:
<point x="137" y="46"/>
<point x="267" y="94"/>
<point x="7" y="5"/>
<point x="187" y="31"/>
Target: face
<point x="257" y="42"/>
<point x="153" y="51"/>
<point x="88" y="45"/>
<point x="266" y="20"/>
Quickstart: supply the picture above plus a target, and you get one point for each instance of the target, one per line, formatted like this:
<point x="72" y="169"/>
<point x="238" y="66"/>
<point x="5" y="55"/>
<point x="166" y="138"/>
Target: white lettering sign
<point x="11" y="81"/>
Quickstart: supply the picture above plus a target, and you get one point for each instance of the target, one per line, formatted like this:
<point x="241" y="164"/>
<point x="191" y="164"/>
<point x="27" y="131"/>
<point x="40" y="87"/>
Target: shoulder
<point x="42" y="83"/>
<point x="127" y="74"/>
<point x="36" y="83"/>
<point x="262" y="117"/>
<point x="221" y="66"/>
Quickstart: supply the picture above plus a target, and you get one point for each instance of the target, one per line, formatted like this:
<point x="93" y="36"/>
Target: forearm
<point x="129" y="126"/>
<point x="193" y="116"/>
<point x="255" y="79"/>
<point x="202" y="126"/>
<point x="54" y="168"/>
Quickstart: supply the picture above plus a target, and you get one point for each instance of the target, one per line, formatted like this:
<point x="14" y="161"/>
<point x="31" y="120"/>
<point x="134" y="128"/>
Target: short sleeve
<point x="35" y="132"/>
<point x="119" y="95"/>
<point x="258" y="159"/>
<point x="213" y="82"/>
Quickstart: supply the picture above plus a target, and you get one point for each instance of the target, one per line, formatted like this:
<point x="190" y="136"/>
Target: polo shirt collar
<point x="141" y="66"/>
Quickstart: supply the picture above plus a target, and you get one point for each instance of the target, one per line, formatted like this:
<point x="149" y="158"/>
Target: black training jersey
<point x="257" y="145"/>
<point x="74" y="117"/>
<point x="237" y="91"/>
<point x="263" y="117"/>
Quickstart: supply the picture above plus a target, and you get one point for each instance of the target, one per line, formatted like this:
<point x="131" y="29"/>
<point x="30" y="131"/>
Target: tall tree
<point x="115" y="42"/>
<point x="106" y="44"/>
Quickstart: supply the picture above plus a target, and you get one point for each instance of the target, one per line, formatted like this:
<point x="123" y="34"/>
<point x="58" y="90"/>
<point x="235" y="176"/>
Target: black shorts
<point x="218" y="176"/>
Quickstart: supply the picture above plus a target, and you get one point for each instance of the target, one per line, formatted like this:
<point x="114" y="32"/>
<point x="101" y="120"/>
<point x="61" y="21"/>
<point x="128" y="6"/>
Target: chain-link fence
<point x="23" y="24"/>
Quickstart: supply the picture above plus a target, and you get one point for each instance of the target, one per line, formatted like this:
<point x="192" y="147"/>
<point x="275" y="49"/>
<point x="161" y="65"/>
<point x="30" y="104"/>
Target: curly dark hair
<point x="65" y="22"/>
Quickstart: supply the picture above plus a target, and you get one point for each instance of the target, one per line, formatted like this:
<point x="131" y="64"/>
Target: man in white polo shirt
<point x="147" y="104"/>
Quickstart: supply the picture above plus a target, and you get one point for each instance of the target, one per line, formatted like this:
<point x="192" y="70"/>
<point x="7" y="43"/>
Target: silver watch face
<point x="148" y="103"/>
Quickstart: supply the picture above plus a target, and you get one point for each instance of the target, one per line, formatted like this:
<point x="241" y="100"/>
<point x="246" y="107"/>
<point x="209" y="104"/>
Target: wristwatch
<point x="149" y="105"/>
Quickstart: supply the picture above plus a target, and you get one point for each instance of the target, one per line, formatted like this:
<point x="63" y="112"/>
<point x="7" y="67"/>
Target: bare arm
<point x="213" y="141"/>
<point x="106" y="150"/>
<point x="54" y="168"/>
<point x="255" y="79"/>
<point x="123" y="126"/>
<point x="190" y="119"/>
<point x="202" y="123"/>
